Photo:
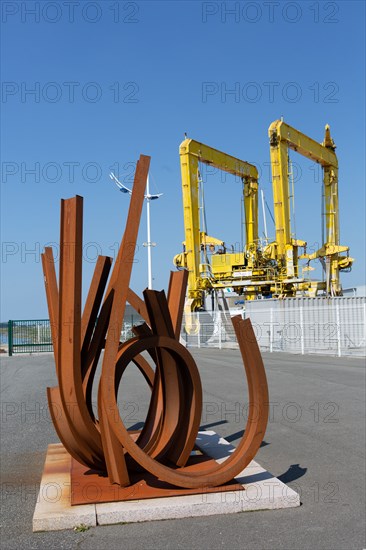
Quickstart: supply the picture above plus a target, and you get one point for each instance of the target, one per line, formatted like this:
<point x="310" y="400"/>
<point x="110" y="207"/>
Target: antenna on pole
<point x="148" y="197"/>
<point x="148" y="244"/>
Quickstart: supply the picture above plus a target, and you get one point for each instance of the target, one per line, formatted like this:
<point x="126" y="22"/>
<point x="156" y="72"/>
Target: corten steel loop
<point x="166" y="440"/>
<point x="70" y="403"/>
<point x="189" y="373"/>
<point x="184" y="435"/>
<point x="75" y="410"/>
<point x="114" y="452"/>
<point x="255" y="427"/>
<point x="48" y="264"/>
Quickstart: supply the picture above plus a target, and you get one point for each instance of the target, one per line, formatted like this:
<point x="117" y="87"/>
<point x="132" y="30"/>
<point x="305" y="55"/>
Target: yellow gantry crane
<point x="235" y="269"/>
<point x="282" y="138"/>
<point x="270" y="268"/>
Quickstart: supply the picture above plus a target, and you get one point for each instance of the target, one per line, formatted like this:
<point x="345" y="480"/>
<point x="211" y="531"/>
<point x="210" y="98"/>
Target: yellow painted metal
<point x="284" y="137"/>
<point x="222" y="263"/>
<point x="280" y="186"/>
<point x="251" y="212"/>
<point x="191" y="154"/>
<point x="272" y="268"/>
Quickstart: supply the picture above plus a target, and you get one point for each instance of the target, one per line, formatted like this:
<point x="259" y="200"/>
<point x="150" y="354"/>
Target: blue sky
<point x="112" y="80"/>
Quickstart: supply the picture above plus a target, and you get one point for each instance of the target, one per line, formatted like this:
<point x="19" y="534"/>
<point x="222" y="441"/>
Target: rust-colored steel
<point x="176" y="297"/>
<point x="162" y="448"/>
<point x="74" y="406"/>
<point x="113" y="450"/>
<point x="93" y="301"/>
<point x="143" y="486"/>
<point x="50" y="282"/>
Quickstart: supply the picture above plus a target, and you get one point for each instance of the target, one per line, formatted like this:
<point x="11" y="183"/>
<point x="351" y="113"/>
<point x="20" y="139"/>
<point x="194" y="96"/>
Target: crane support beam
<point x="281" y="194"/>
<point x="191" y="154"/>
<point x="323" y="153"/>
<point x="284" y="137"/>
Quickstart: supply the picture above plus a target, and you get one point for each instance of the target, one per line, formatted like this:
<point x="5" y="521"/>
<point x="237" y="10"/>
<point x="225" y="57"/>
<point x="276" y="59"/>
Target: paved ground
<point x="315" y="442"/>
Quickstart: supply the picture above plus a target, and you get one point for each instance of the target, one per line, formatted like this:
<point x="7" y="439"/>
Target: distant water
<point x="16" y="341"/>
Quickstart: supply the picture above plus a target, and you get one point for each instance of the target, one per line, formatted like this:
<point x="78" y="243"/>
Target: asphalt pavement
<point x="315" y="442"/>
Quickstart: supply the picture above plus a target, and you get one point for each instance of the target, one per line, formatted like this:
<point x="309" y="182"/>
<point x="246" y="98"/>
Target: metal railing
<point x="34" y="335"/>
<point x="294" y="325"/>
<point x="331" y="327"/>
<point x="29" y="336"/>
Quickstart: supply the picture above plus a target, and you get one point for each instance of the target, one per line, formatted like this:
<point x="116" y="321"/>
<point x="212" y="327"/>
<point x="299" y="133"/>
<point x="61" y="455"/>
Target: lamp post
<point x="148" y="244"/>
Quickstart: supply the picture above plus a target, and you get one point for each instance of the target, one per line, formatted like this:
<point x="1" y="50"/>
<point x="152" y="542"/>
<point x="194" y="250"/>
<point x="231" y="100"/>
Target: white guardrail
<point x="334" y="326"/>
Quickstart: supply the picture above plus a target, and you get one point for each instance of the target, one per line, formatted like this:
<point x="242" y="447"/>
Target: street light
<point x="148" y="198"/>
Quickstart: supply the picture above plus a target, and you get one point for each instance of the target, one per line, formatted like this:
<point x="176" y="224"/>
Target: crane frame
<point x="191" y="154"/>
<point x="282" y="138"/>
<point x="272" y="269"/>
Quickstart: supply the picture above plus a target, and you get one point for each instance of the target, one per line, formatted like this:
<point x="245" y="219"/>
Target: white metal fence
<point x="297" y="325"/>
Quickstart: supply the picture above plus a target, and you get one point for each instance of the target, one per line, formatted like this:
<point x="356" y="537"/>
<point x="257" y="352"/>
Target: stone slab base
<point x="260" y="491"/>
<point x="53" y="509"/>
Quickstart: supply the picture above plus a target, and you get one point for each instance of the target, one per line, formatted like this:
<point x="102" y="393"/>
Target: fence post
<point x="271" y="330"/>
<point x="10" y="338"/>
<point x="338" y="330"/>
<point x="302" y="330"/>
<point x="220" y="328"/>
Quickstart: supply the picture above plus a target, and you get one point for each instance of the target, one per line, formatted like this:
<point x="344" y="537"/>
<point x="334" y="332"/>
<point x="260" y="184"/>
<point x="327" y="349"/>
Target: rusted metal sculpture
<point x="164" y="444"/>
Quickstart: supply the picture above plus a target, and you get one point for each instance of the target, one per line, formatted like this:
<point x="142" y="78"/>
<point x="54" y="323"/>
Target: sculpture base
<point x="258" y="490"/>
<point x="89" y="487"/>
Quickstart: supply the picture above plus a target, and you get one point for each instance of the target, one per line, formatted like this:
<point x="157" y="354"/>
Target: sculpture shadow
<point x="137" y="426"/>
<point x="212" y="424"/>
<point x="238" y="435"/>
<point x="294" y="472"/>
